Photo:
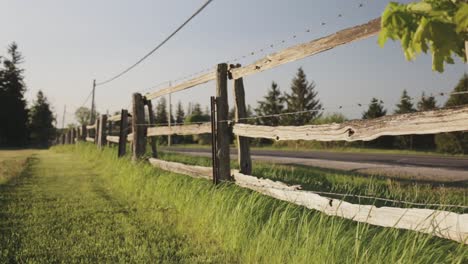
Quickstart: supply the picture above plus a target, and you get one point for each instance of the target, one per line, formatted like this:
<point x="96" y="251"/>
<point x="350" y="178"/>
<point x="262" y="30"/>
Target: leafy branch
<point x="436" y="26"/>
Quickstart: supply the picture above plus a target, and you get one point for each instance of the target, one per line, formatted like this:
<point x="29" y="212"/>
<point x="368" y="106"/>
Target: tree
<point x="83" y="115"/>
<point x="303" y="97"/>
<point x="13" y="111"/>
<point x="180" y="114"/>
<point x="427" y="103"/>
<point x="436" y="26"/>
<point x="272" y="104"/>
<point x="197" y="116"/>
<point x="376" y="109"/>
<point x="455" y="142"/>
<point x="161" y="112"/>
<point x="406" y="105"/>
<point x="41" y="127"/>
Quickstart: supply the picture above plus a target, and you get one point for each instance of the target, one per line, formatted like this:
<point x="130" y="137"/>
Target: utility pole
<point x="63" y="117"/>
<point x="93" y="110"/>
<point x="169" y="118"/>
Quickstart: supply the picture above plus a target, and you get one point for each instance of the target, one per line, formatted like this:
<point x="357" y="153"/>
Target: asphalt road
<point x="422" y="167"/>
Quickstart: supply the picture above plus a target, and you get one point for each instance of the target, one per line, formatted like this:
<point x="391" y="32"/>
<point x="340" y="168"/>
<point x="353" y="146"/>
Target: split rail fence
<point x="136" y="129"/>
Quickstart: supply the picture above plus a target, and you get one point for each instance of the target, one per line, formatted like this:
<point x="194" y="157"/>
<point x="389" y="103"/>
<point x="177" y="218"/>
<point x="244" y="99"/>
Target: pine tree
<point x="13" y="111"/>
<point x="180" y="114"/>
<point x="197" y="116"/>
<point x="161" y="112"/>
<point x="41" y="126"/>
<point x="303" y="97"/>
<point x="459" y="99"/>
<point x="427" y="103"/>
<point x="455" y="142"/>
<point x="376" y="109"/>
<point x="406" y="105"/>
<point x="272" y="104"/>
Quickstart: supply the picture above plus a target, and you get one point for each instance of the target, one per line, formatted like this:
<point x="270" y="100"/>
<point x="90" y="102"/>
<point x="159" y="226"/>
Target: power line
<point x="158" y="46"/>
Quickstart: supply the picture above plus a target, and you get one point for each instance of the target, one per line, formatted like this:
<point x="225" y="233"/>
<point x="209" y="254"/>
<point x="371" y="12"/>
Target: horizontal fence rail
<point x="90" y="139"/>
<point x="113" y="139"/>
<point x="185" y="85"/>
<point x="301" y="51"/>
<point x="439" y="223"/>
<point x="419" y="123"/>
<point x="180" y="130"/>
<point x="91" y="127"/>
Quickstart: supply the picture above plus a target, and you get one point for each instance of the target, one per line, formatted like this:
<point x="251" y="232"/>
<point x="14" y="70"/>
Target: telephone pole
<point x="63" y="117"/>
<point x="93" y="110"/>
<point x="169" y="118"/>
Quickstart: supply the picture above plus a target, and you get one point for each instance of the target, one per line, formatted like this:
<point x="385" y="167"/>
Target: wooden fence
<point x="137" y="130"/>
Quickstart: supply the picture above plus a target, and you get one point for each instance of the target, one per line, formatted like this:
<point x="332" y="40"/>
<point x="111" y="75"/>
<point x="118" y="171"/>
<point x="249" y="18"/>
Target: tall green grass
<point x="236" y="225"/>
<point x="325" y="180"/>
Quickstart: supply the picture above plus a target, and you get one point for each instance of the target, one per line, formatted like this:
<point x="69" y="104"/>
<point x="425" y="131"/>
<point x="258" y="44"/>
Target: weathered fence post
<point x="68" y="137"/>
<point x="96" y="131"/>
<point x="62" y="138"/>
<point x="138" y="127"/>
<point x="109" y="130"/>
<point x="72" y="135"/>
<point x="243" y="148"/>
<point x="123" y="132"/>
<point x="84" y="132"/>
<point x="152" y="118"/>
<point x="102" y="131"/>
<point x="78" y="134"/>
<point x="222" y="113"/>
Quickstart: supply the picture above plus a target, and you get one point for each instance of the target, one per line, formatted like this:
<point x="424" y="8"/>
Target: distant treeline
<point x="302" y="99"/>
<point x="21" y="125"/>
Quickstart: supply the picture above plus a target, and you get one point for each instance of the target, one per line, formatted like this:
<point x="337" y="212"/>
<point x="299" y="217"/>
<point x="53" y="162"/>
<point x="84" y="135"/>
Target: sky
<point x="68" y="44"/>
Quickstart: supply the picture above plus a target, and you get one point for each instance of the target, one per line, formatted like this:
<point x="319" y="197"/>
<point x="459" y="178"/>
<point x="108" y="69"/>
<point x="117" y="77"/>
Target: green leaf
<point x="461" y="18"/>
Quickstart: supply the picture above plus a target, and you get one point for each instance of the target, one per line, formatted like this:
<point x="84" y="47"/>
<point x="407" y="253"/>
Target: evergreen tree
<point x="197" y="116"/>
<point x="376" y="109"/>
<point x="455" y="142"/>
<point x="41" y="126"/>
<point x="406" y="105"/>
<point x="13" y="111"/>
<point x="426" y="142"/>
<point x="427" y="103"/>
<point x="180" y="114"/>
<point x="272" y="104"/>
<point x="161" y="112"/>
<point x="303" y="97"/>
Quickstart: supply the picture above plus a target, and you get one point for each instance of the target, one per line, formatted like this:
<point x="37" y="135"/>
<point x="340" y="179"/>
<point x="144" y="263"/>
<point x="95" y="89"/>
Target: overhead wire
<point x="200" y="9"/>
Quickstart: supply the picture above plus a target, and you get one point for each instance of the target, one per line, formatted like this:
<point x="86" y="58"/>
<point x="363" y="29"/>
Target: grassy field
<point x="78" y="204"/>
<point x="316" y="179"/>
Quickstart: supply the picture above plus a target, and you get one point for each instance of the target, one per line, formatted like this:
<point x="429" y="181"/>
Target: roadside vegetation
<point x="326" y="180"/>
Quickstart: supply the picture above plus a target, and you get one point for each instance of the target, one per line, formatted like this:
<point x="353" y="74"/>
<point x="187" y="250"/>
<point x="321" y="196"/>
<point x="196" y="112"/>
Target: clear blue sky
<point x="67" y="44"/>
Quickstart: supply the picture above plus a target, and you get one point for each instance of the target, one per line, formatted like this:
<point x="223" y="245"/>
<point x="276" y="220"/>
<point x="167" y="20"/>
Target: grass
<point x="334" y="149"/>
<point x="12" y="162"/>
<point x="78" y="204"/>
<point x="325" y="180"/>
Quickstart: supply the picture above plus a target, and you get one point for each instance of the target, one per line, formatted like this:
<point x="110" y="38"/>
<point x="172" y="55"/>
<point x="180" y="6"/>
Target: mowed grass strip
<point x="60" y="210"/>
